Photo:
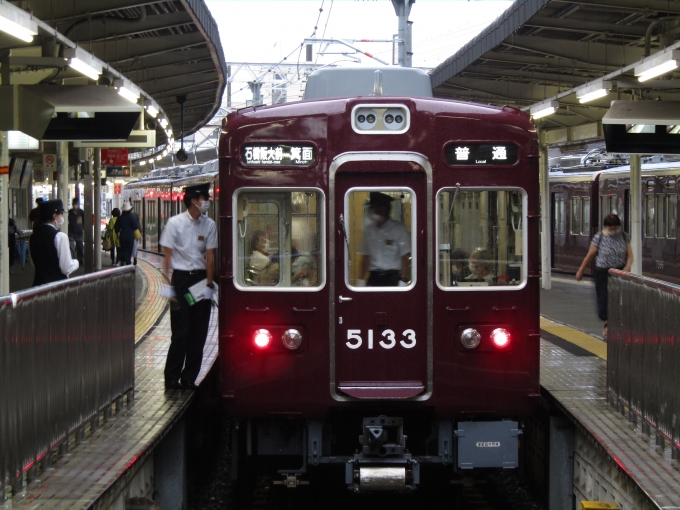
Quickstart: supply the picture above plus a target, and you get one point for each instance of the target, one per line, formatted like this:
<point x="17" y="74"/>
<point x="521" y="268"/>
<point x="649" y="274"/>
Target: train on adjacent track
<point x="580" y="200"/>
<point x="318" y="367"/>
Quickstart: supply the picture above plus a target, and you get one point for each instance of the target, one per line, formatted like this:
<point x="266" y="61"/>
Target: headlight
<point x="292" y="339"/>
<point x="470" y="338"/>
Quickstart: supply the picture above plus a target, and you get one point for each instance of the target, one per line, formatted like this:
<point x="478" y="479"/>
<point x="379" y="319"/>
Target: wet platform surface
<point x="577" y="380"/>
<point x="95" y="465"/>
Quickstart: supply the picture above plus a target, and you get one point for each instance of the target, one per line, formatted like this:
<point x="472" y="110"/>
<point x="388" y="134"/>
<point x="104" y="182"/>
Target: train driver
<point x="189" y="242"/>
<point x="385" y="246"/>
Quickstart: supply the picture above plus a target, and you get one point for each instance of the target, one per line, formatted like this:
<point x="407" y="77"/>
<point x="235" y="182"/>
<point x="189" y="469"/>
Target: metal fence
<point x="66" y="353"/>
<point x="643" y="353"/>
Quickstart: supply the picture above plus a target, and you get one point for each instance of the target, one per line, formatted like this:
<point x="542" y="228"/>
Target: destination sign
<point x="477" y="154"/>
<point x="279" y="155"/>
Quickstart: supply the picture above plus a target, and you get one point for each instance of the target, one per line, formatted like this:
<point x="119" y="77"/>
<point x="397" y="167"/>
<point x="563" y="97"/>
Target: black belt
<point x="195" y="271"/>
<point x="385" y="273"/>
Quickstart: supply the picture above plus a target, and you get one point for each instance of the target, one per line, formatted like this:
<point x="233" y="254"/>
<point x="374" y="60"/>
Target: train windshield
<point x="278" y="239"/>
<point x="481" y="238"/>
<point x="378" y="230"/>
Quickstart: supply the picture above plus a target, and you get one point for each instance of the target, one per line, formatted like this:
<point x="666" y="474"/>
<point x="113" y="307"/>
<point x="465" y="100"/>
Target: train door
<point x="380" y="284"/>
<point x="558" y="230"/>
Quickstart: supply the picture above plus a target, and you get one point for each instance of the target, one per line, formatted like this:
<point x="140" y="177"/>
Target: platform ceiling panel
<point x="168" y="48"/>
<point x="543" y="48"/>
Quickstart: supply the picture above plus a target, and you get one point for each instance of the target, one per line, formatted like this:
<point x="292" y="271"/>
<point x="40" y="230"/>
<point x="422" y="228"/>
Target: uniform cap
<point x="127" y="206"/>
<point x="379" y="199"/>
<point x="198" y="190"/>
<point x="49" y="207"/>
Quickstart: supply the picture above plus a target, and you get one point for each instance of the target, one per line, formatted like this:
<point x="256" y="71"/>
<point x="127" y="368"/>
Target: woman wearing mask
<point x="50" y="249"/>
<point x="611" y="250"/>
<point x="125" y="227"/>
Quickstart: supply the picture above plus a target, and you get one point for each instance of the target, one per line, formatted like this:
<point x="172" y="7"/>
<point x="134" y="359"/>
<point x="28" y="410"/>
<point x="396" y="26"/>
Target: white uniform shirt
<point x="385" y="245"/>
<point x="66" y="264"/>
<point x="189" y="239"/>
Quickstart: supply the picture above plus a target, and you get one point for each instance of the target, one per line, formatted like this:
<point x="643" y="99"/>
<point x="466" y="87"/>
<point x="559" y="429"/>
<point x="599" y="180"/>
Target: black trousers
<point x="602" y="291"/>
<point x="383" y="279"/>
<point x="189" y="324"/>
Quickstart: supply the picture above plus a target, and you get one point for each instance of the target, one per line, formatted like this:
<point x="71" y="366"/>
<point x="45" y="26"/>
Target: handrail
<point x="643" y="353"/>
<point x="66" y="354"/>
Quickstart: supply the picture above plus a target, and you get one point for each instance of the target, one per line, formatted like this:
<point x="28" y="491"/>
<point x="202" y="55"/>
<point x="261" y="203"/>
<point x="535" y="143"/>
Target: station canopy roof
<point x="167" y="48"/>
<point x="550" y="50"/>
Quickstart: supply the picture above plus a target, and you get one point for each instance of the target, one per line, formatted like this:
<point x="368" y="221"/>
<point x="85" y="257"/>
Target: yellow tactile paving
<point x="153" y="304"/>
<point x="576" y="337"/>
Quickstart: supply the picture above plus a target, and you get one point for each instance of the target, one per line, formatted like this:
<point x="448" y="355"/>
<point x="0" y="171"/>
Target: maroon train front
<point x="320" y="369"/>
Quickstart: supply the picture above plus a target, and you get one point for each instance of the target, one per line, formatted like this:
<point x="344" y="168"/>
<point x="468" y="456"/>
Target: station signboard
<point x="114" y="157"/>
<point x="118" y="171"/>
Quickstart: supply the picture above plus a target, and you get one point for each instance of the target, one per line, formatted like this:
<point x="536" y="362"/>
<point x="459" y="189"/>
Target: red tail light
<point x="262" y="338"/>
<point x="500" y="337"/>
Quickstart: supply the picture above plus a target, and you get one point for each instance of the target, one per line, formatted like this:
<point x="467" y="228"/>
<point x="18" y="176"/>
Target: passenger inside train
<point x="460" y="267"/>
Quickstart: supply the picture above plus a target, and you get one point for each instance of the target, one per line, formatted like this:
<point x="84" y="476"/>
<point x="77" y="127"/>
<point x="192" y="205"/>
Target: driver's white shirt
<point x="385" y="245"/>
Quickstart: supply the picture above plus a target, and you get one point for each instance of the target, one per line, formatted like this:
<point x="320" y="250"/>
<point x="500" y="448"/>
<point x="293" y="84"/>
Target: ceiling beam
<point x="572" y="25"/>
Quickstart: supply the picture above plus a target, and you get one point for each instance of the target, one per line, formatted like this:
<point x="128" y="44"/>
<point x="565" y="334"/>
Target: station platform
<point x="573" y="375"/>
<point x="573" y="378"/>
<point x="92" y="472"/>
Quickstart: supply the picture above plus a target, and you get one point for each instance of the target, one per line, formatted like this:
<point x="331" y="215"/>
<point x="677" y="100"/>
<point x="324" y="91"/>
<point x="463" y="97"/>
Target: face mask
<point x="376" y="217"/>
<point x="615" y="233"/>
<point x="60" y="220"/>
<point x="205" y="205"/>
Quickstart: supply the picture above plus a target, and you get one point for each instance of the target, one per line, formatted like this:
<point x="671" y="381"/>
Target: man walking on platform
<point x="189" y="241"/>
<point x="76" y="229"/>
<point x="50" y="247"/>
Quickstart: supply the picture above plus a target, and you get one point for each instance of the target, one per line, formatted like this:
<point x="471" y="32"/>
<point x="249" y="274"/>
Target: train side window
<point x="660" y="215"/>
<point x="380" y="238"/>
<point x="278" y="239"/>
<point x="585" y="216"/>
<point x="649" y="216"/>
<point x="482" y="247"/>
<point x="575" y="216"/>
<point x="672" y="216"/>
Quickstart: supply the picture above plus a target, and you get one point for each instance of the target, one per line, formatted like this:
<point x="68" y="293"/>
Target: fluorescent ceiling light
<point x="169" y="133"/>
<point x="159" y="157"/>
<point x="17" y="23"/>
<point x="151" y="109"/>
<point x="544" y="109"/>
<point x="658" y="65"/>
<point x="164" y="122"/>
<point x="142" y="162"/>
<point x="593" y="92"/>
<point x="126" y="90"/>
<point x="83" y="62"/>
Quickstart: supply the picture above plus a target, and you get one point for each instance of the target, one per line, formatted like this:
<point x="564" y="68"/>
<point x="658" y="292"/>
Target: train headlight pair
<point x="471" y="338"/>
<point x="291" y="339"/>
<point x="380" y="119"/>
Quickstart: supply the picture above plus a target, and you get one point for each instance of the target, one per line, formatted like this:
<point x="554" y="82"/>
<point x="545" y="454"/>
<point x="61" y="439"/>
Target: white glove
<point x="206" y="293"/>
<point x="168" y="291"/>
<point x="361" y="283"/>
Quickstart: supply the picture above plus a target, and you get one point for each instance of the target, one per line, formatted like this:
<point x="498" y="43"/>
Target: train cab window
<point x="672" y="216"/>
<point x="660" y="215"/>
<point x="576" y="216"/>
<point x="558" y="216"/>
<point x="585" y="216"/>
<point x="607" y="206"/>
<point x="481" y="246"/>
<point x="649" y="216"/>
<point x="279" y="239"/>
<point x="379" y="230"/>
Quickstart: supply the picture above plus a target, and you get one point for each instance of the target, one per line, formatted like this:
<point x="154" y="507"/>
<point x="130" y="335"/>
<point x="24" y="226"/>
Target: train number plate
<point x="387" y="339"/>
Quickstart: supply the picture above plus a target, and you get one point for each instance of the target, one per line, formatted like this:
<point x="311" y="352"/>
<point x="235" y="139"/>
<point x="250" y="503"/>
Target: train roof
<point x="367" y="81"/>
<point x="182" y="175"/>
<point x="623" y="171"/>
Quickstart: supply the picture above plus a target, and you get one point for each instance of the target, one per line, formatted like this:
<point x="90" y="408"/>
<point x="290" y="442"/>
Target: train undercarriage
<point x="384" y="458"/>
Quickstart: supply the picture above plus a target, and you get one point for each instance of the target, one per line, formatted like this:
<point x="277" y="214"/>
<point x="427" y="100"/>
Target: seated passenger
<point x="459" y="266"/>
<point x="263" y="271"/>
<point x="301" y="267"/>
<point x="481" y="266"/>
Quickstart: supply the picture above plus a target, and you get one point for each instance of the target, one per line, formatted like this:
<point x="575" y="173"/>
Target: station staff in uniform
<point x="189" y="241"/>
<point x="385" y="245"/>
<point x="49" y="247"/>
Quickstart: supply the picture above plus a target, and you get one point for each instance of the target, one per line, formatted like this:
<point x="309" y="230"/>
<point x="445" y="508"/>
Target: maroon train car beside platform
<point x="317" y="367"/>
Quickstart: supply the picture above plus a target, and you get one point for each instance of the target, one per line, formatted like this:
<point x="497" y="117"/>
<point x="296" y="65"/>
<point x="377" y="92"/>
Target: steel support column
<point x="545" y="216"/>
<point x="402" y="8"/>
<point x="88" y="208"/>
<point x="636" y="212"/>
<point x="62" y="173"/>
<point x="97" y="209"/>
<point x="4" y="216"/>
